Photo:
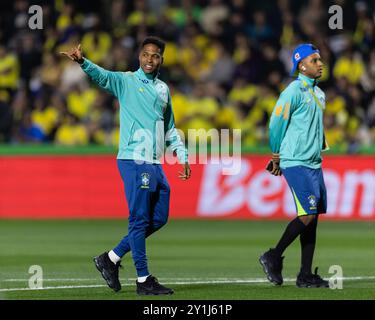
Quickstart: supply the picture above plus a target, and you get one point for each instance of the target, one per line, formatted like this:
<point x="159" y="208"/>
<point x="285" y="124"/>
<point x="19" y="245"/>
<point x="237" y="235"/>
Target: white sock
<point x="142" y="279"/>
<point x="113" y="257"/>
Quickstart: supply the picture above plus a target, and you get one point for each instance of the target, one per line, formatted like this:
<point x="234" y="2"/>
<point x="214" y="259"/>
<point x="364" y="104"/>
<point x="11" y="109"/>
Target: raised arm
<point x="112" y="81"/>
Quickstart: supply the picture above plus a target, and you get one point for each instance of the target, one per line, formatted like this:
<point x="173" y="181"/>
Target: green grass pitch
<point x="199" y="259"/>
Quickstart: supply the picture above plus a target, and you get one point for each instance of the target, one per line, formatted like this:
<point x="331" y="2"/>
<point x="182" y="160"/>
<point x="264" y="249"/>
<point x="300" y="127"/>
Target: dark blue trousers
<point x="147" y="193"/>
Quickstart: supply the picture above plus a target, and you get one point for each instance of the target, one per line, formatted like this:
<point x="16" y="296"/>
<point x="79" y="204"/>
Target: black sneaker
<point x="109" y="270"/>
<point x="152" y="287"/>
<point x="310" y="280"/>
<point x="272" y="265"/>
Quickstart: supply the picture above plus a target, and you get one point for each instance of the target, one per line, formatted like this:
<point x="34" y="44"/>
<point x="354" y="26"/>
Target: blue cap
<point x="301" y="52"/>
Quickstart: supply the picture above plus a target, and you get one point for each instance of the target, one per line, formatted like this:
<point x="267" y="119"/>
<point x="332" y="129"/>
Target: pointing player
<point x="296" y="140"/>
<point x="145" y="102"/>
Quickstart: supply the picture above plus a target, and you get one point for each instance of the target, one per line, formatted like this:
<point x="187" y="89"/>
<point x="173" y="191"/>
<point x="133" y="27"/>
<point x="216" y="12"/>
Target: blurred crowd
<point x="226" y="62"/>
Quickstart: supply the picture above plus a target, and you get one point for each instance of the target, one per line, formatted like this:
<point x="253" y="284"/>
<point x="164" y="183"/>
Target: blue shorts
<point x="308" y="189"/>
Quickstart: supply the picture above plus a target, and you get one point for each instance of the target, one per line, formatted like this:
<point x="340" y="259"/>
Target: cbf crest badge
<point x="145" y="178"/>
<point x="312" y="202"/>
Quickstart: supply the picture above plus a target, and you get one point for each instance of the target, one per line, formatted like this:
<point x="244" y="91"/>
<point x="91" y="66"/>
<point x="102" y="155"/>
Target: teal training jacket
<point x="296" y="129"/>
<point x="146" y="116"/>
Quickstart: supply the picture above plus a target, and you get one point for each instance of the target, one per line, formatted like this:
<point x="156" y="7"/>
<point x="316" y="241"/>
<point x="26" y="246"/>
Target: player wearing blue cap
<point x="297" y="139"/>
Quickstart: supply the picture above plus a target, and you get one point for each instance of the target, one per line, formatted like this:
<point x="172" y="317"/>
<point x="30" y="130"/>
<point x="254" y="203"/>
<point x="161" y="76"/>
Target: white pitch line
<point x="51" y="288"/>
<point x="124" y="279"/>
<point x="128" y="284"/>
<point x="181" y="279"/>
<point x="181" y="282"/>
<point x="57" y="279"/>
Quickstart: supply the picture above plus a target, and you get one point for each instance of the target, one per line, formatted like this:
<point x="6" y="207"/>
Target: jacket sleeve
<point x="112" y="81"/>
<point x="173" y="138"/>
<point x="280" y="117"/>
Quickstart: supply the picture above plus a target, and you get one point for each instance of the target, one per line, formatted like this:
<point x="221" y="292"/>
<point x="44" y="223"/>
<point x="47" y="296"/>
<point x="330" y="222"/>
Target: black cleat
<point x="108" y="270"/>
<point x="152" y="287"/>
<point x="310" y="280"/>
<point x="272" y="265"/>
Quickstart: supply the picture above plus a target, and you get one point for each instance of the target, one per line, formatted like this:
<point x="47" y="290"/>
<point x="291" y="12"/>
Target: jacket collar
<point x="146" y="76"/>
<point x="310" y="82"/>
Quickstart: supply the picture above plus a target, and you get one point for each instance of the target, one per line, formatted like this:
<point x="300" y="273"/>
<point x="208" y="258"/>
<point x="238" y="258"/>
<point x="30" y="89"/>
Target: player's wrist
<point x="276" y="157"/>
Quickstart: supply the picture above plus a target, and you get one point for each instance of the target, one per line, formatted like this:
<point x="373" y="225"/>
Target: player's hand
<point x="187" y="172"/>
<point x="75" y="54"/>
<point x="273" y="165"/>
